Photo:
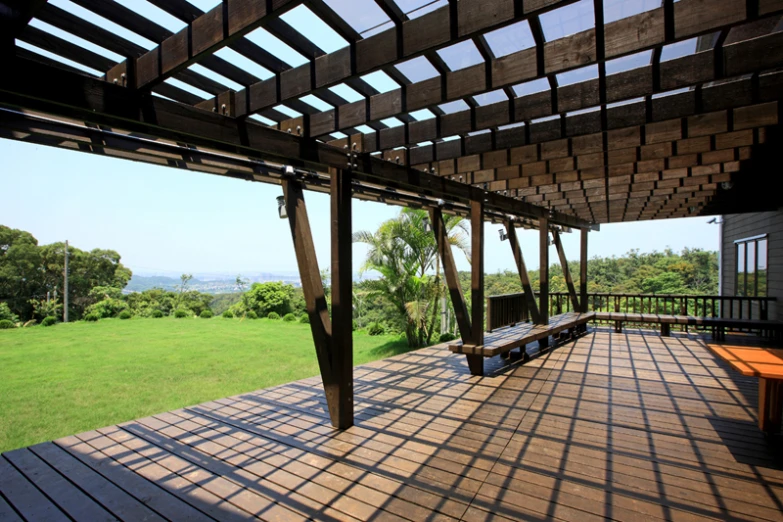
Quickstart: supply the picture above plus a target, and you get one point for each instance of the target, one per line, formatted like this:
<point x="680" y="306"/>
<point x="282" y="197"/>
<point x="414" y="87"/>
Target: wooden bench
<point x="718" y="325"/>
<point x="505" y="339"/>
<point x="767" y="365"/>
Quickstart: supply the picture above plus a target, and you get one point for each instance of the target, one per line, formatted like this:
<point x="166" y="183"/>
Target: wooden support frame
<point x="524" y="278"/>
<point x="566" y="272"/>
<point x="334" y="348"/>
<point x="476" y="362"/>
<point x="465" y="317"/>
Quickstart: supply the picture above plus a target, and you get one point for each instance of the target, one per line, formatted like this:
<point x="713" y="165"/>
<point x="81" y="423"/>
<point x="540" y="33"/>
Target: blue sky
<point x="168" y="220"/>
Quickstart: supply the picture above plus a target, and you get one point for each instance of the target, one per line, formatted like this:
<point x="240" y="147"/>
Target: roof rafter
<point x="104" y="103"/>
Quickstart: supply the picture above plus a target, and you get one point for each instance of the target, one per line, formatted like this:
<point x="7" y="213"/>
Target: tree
<point x="29" y="271"/>
<point x="263" y="298"/>
<point x="403" y="252"/>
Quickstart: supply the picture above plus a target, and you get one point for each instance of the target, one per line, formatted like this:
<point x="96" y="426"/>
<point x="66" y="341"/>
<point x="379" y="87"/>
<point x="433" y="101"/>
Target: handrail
<point x="509" y="309"/>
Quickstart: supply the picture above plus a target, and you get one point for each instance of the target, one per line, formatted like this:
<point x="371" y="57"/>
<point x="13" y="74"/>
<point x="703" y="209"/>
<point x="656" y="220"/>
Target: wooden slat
<point x="112" y="498"/>
<point x="68" y="497"/>
<point x="24" y="497"/>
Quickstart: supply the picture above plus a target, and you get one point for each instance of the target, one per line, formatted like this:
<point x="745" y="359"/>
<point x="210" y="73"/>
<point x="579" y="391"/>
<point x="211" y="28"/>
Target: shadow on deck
<point x="629" y="426"/>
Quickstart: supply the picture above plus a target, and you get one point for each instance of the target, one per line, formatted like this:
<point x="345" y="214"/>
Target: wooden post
<point x="342" y="296"/>
<point x="566" y="272"/>
<point x="452" y="278"/>
<point x="476" y="362"/>
<point x="543" y="288"/>
<point x="770" y="404"/>
<point x="337" y="383"/>
<point x="583" y="272"/>
<point x="524" y="278"/>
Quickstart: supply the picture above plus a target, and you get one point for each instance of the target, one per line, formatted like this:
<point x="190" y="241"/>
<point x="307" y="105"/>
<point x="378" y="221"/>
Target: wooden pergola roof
<point x="658" y="139"/>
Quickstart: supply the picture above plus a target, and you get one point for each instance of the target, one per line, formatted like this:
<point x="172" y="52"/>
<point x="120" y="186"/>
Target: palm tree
<point x="403" y="252"/>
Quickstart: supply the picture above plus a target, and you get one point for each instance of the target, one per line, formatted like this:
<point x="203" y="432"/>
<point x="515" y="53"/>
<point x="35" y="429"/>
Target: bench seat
<point x="508" y="338"/>
<point x="767" y="365"/>
<point x="718" y="324"/>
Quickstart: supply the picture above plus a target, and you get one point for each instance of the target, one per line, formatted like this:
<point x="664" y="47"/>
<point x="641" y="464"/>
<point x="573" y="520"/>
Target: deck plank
<point x="609" y="426"/>
<point x="67" y="496"/>
<point x="25" y="497"/>
<point x="111" y="497"/>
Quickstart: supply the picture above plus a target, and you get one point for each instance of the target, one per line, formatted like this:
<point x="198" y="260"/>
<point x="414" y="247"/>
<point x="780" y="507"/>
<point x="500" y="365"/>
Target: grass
<point x="75" y="377"/>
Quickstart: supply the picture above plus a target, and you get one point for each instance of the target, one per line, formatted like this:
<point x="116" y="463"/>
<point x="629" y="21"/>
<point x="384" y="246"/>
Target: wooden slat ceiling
<point x="665" y="138"/>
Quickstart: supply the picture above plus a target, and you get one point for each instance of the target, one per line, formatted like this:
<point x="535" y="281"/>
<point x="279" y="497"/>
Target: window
<point x="751" y="276"/>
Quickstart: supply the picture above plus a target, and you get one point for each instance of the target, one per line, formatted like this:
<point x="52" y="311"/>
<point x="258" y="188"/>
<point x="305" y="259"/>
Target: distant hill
<point x="139" y="283"/>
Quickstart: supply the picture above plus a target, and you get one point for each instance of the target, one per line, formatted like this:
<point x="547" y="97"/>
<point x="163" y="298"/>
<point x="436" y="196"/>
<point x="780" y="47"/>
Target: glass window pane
<point x="750" y="264"/>
<point x="740" y="290"/>
<point x="761" y="272"/>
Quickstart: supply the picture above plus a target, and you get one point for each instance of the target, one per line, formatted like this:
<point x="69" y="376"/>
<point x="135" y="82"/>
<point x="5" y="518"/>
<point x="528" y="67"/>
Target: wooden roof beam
<point x="427" y="33"/>
<point x="14" y="17"/>
<point x="510" y="70"/>
<point x="101" y="102"/>
<point x="689" y="71"/>
<point x="204" y="35"/>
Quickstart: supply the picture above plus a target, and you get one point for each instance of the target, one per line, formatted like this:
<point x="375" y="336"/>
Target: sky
<point x="167" y="221"/>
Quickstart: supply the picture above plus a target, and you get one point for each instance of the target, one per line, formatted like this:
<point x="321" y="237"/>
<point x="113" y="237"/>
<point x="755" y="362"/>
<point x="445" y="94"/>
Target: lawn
<point x="75" y="377"/>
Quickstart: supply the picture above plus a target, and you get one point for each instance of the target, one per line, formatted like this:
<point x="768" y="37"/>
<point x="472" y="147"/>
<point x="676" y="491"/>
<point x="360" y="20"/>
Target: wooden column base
<point x="770" y="404"/>
<point x="476" y="364"/>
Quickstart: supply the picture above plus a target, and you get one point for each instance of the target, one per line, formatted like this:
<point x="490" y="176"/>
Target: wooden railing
<point x="504" y="310"/>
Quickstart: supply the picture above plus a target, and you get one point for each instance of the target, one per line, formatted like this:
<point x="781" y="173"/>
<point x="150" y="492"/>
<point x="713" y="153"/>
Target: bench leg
<point x="770" y="405"/>
<point x="618" y="327"/>
<point x="476" y="364"/>
<point x="666" y="329"/>
<point x="543" y="343"/>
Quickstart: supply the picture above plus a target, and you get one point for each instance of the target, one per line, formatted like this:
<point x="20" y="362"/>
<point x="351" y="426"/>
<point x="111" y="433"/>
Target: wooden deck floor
<point x="611" y="426"/>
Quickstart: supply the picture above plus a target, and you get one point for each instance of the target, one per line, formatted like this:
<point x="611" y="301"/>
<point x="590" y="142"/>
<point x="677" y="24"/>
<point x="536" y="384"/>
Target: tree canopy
<point x="29" y="271"/>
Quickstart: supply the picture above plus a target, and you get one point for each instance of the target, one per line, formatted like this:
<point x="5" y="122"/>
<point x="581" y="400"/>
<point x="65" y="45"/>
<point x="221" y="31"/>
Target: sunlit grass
<point x="80" y="376"/>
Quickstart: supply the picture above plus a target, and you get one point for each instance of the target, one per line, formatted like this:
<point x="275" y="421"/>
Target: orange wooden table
<point x="767" y="365"/>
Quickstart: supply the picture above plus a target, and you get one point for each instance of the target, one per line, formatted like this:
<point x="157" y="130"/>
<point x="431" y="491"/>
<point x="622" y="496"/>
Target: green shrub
<point x="206" y="314"/>
<point x="228" y="314"/>
<point x="49" y="321"/>
<point x="91" y="318"/>
<point x="125" y="315"/>
<point x="305" y="319"/>
<point x="251" y="315"/>
<point x="446" y="337"/>
<point x="273" y="315"/>
<point x="181" y="314"/>
<point x="289" y="318"/>
<point x="375" y="329"/>
<point x="6" y="314"/>
<point x="7" y="324"/>
<point x="157" y="314"/>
